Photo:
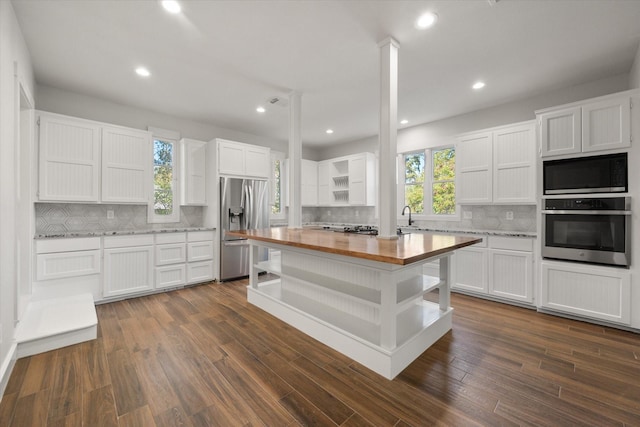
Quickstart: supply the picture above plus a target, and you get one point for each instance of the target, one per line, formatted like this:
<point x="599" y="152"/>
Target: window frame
<point x="172" y="138"/>
<point x="427" y="186"/>
<point x="282" y="215"/>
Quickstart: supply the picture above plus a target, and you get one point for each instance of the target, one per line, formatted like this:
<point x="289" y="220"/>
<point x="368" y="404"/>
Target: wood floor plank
<point x="18" y="374"/>
<point x="128" y="391"/>
<point x="137" y="418"/>
<point x="71" y="420"/>
<point x="156" y="385"/>
<point x="95" y="370"/>
<point x="173" y="417"/>
<point x="99" y="408"/>
<point x="304" y="411"/>
<point x="66" y="392"/>
<point x="7" y="408"/>
<point x="39" y="375"/>
<point x="32" y="410"/>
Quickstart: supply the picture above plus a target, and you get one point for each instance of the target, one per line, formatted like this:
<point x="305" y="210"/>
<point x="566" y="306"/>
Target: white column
<point x="295" y="160"/>
<point x="388" y="134"/>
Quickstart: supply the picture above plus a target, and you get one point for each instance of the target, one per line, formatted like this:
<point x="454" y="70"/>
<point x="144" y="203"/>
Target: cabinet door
<point x="193" y="172"/>
<point x="470" y="270"/>
<point x="601" y="293"/>
<point x="561" y="132"/>
<point x="474" y="168"/>
<point x="257" y="161"/>
<point x="358" y="180"/>
<point x="511" y="275"/>
<point x="309" y="185"/>
<point x="514" y="168"/>
<point x="230" y="158"/>
<point x="128" y="270"/>
<point x="606" y="124"/>
<point x="324" y="184"/>
<point x="69" y="159"/>
<point x="126" y="165"/>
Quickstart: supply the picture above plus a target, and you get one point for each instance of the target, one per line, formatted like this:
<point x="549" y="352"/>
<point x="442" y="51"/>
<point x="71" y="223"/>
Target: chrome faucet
<point x="404" y="209"/>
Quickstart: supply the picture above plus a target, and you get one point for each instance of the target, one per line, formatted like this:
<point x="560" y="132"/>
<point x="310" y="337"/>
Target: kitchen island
<point x="358" y="294"/>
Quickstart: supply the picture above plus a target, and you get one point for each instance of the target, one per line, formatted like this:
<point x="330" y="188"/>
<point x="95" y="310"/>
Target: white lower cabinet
<point x="170" y="256"/>
<point x="500" y="267"/>
<point x="200" y="256"/>
<point x="600" y="293"/>
<point x="128" y="265"/>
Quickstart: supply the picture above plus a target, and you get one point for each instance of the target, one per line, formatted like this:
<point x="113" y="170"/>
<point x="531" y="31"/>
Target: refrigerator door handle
<point x="243" y="242"/>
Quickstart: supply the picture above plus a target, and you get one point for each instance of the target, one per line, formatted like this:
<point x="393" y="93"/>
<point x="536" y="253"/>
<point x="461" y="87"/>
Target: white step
<point x="55" y="323"/>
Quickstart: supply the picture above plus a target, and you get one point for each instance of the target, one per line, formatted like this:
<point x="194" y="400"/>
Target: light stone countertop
<point x="73" y="234"/>
<point x="505" y="233"/>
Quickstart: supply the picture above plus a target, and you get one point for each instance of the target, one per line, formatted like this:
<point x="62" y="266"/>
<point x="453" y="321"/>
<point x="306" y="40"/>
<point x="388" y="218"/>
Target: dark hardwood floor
<point x="202" y="356"/>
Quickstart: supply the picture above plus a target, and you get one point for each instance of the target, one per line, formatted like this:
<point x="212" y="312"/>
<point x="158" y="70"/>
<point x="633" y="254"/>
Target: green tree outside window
<point x="163" y="158"/>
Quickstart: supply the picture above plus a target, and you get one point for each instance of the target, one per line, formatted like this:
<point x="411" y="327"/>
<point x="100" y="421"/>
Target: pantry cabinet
<point x="193" y="156"/>
<point x="497" y="165"/>
<point x="600" y="124"/>
<point x="69" y="152"/>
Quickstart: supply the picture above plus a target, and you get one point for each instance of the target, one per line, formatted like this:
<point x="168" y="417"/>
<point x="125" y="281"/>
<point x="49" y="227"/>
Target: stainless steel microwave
<point x="583" y="175"/>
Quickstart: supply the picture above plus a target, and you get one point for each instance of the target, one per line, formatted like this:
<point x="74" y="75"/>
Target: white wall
<point x="440" y="132"/>
<point x="78" y="105"/>
<point x="13" y="53"/>
<point x="634" y="75"/>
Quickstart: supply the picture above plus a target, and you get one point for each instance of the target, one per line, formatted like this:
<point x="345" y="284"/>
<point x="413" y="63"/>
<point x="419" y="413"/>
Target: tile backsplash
<point x="486" y="217"/>
<point x="76" y="217"/>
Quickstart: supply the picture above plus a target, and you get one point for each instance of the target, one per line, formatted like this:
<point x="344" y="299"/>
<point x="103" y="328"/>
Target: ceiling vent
<point x="280" y="102"/>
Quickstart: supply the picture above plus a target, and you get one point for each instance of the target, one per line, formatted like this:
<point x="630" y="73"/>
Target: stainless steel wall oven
<point x="594" y="230"/>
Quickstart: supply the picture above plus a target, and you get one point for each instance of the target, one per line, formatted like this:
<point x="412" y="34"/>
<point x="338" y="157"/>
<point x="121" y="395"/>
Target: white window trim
<point x="173" y="138"/>
<point x="428" y="179"/>
<point x="282" y="215"/>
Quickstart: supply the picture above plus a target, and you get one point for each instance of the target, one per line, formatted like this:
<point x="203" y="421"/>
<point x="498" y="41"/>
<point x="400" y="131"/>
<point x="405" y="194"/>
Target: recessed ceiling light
<point x="260" y="110"/>
<point x="171" y="6"/>
<point x="329" y="131"/>
<point x="478" y="85"/>
<point x="426" y="20"/>
<point x="142" y="72"/>
<point x="404" y="121"/>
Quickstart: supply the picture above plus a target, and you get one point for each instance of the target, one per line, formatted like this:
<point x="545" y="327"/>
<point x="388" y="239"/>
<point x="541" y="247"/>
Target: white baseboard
<point x="6" y="368"/>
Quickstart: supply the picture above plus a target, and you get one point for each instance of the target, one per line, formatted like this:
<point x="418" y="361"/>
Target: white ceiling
<point x="218" y="60"/>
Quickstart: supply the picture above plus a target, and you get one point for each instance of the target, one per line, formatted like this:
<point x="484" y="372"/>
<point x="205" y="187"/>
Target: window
<point x="428" y="185"/>
<point x="277" y="186"/>
<point x="165" y="206"/>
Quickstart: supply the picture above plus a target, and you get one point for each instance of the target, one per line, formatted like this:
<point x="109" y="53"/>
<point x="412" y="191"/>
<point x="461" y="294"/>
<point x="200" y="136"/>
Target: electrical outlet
<point x="509" y="215"/>
<point x="467" y="215"/>
<point x="110" y="214"/>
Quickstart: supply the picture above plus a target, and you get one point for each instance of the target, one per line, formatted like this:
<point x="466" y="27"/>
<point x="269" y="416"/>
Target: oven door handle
<point x="578" y="212"/>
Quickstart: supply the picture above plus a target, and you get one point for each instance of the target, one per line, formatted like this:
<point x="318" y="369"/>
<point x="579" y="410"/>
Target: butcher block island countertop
<point x="407" y="249"/>
<point x="361" y="295"/>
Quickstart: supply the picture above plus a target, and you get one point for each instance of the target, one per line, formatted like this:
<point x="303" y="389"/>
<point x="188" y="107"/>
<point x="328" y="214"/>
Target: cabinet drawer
<point x="199" y="272"/>
<point x="162" y="238"/>
<point x="128" y="241"/>
<point x="199" y="236"/>
<point x="174" y="253"/>
<point x="200" y="251"/>
<point x="511" y="243"/>
<point x="171" y="275"/>
<point x="67" y="264"/>
<point x="67" y="245"/>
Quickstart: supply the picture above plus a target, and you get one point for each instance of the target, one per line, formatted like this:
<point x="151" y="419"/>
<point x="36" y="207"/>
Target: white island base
<point x="373" y="312"/>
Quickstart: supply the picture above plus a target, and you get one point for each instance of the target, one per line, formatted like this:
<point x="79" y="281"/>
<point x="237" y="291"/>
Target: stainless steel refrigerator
<point x="244" y="205"/>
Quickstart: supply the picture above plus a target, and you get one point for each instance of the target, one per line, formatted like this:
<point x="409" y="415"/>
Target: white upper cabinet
<point x="474" y="164"/>
<point x="324" y="184"/>
<point x="497" y="165"/>
<point x="235" y="158"/>
<point x="601" y="124"/>
<point x="69" y="159"/>
<point x="362" y="189"/>
<point x="309" y="183"/>
<point x="514" y="167"/>
<point x="126" y="165"/>
<point x="193" y="155"/>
